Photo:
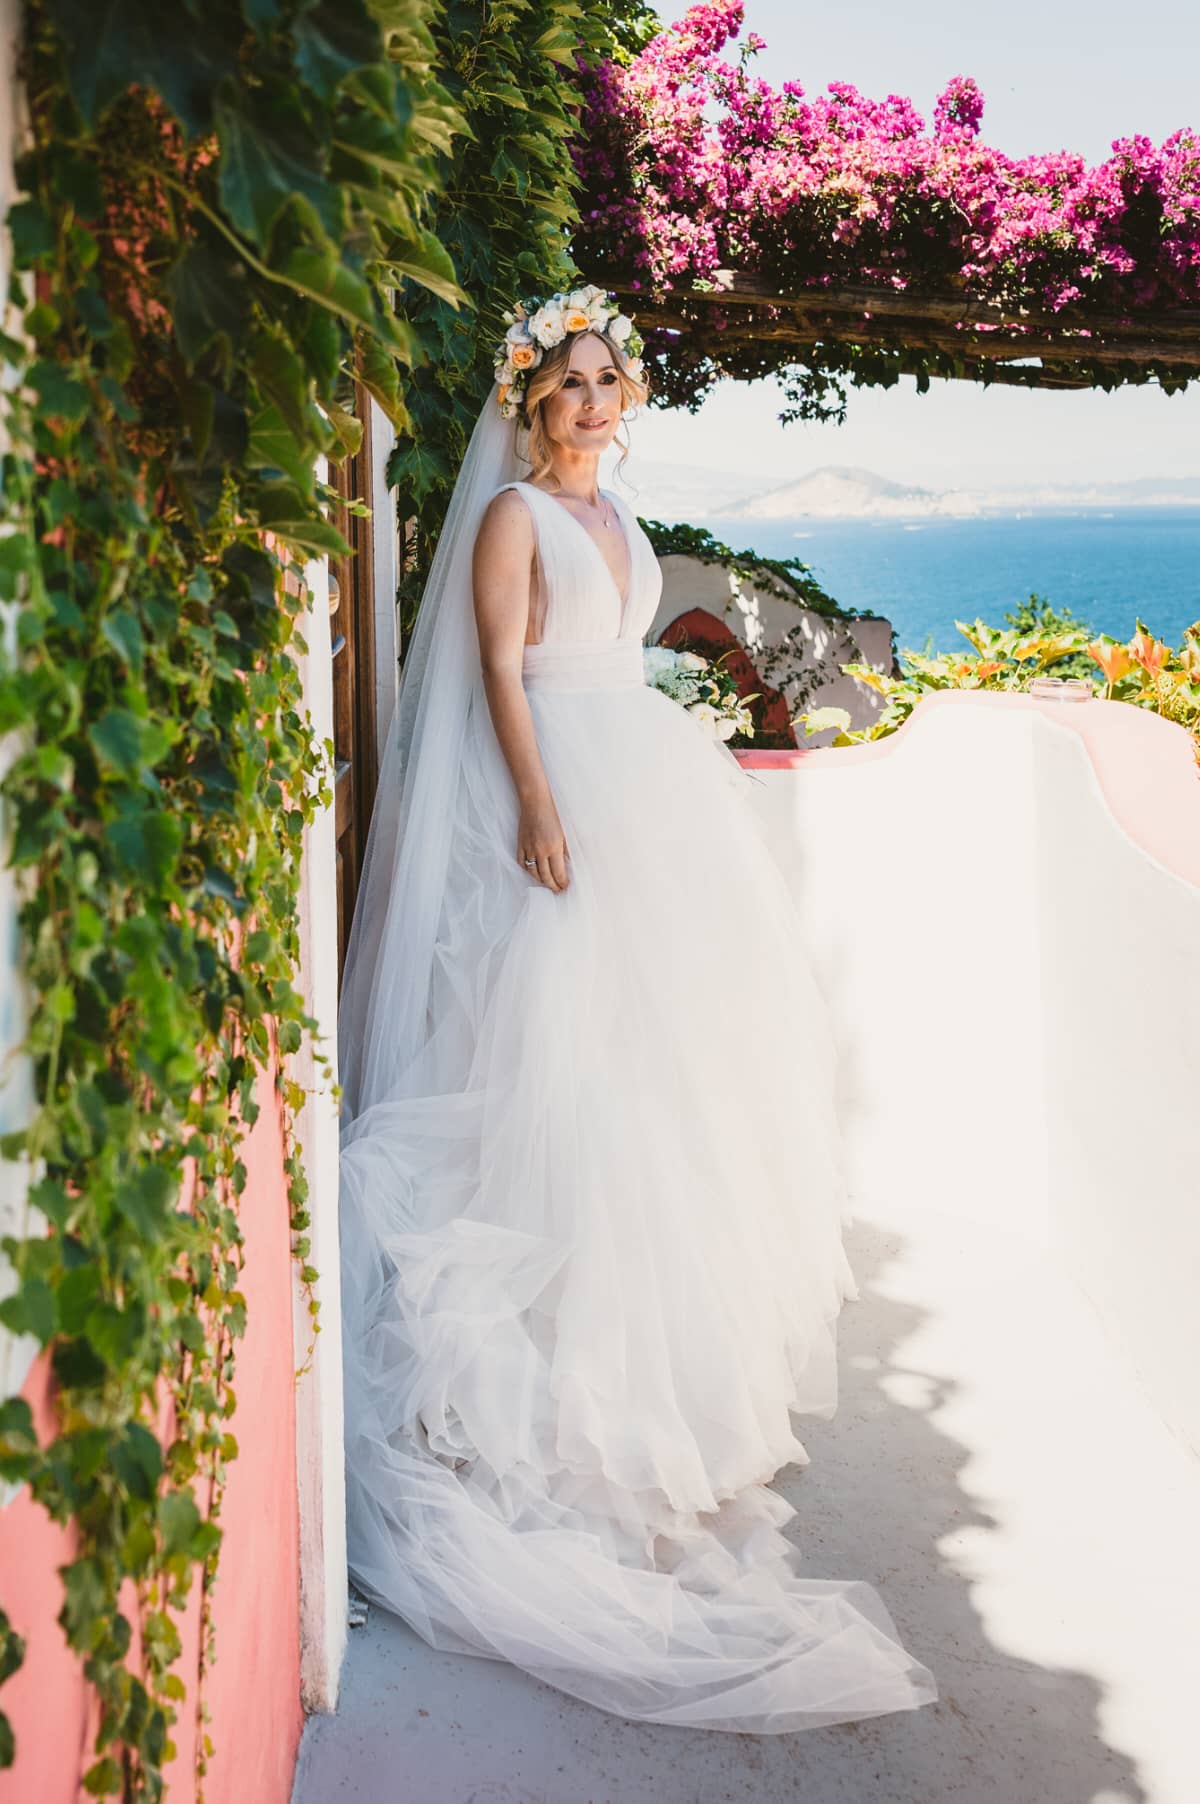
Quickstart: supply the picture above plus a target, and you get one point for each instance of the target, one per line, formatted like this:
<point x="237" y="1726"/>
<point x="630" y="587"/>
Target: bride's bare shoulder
<point x="507" y="512"/>
<point x="506" y="529"/>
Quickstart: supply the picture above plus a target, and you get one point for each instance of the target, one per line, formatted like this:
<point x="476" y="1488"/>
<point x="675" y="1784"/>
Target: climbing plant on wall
<point x="218" y="201"/>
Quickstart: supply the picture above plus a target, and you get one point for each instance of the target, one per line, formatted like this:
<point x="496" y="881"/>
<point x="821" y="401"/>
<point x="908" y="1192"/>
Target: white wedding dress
<point x="592" y="1228"/>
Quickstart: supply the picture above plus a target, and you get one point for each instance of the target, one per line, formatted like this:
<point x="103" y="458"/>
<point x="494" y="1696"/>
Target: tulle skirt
<point x="592" y="1252"/>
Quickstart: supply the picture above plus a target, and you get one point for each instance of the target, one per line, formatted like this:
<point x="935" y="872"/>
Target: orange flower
<point x="986" y="668"/>
<point x="1150" y="652"/>
<point x="1114" y="660"/>
<point x="522" y="356"/>
<point x="502" y="394"/>
<point x="576" y="320"/>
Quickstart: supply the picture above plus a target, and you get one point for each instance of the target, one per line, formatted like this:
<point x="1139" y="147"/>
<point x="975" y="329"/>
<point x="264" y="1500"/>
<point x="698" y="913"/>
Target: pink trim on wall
<point x="1144" y="765"/>
<point x="253" y="1689"/>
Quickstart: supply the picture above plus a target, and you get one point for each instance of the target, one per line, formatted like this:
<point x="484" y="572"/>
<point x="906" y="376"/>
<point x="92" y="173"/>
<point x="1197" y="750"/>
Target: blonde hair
<point x="548" y="378"/>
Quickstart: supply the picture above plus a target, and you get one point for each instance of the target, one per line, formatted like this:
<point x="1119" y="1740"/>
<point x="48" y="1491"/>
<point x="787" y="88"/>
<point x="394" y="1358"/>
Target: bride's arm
<point x="503" y="561"/>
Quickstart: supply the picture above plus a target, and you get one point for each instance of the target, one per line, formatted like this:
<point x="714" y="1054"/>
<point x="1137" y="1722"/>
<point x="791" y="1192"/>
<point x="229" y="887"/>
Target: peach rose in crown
<point x="576" y="320"/>
<point x="522" y="356"/>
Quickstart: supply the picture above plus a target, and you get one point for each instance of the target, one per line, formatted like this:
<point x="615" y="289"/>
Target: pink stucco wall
<point x="253" y="1688"/>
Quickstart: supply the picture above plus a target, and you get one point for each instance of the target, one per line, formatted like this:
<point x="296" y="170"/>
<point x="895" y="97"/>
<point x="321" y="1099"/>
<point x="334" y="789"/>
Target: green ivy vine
<point x="218" y="203"/>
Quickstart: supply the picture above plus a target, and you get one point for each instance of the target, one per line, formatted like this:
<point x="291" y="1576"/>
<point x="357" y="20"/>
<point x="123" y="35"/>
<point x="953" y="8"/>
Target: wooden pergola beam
<point x="1066" y="343"/>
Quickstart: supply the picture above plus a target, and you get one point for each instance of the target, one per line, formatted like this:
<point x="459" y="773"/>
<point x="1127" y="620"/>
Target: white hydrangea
<point x="657" y="660"/>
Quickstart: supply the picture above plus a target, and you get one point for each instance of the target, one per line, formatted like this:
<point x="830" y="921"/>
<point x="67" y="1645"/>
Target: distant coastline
<point x="836" y="493"/>
<point x="851" y="494"/>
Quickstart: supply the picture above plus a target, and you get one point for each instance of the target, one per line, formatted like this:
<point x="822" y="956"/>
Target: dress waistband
<point x="583" y="664"/>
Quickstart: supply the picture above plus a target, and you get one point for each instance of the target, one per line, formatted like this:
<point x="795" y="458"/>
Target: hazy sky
<point x="1061" y="74"/>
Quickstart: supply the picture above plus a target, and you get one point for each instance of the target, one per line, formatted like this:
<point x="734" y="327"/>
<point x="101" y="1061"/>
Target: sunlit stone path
<point x="996" y="1471"/>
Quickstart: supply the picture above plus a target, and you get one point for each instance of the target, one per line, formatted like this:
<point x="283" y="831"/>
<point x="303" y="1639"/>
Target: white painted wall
<point x="319" y="1424"/>
<point x="1014" y="984"/>
<point x="761" y="621"/>
<point x="319" y="1433"/>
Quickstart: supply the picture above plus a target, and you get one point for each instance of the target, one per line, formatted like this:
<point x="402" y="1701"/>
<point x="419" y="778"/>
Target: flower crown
<point x="534" y="325"/>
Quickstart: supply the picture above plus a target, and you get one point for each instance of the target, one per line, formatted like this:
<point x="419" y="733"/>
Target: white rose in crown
<point x="547" y="326"/>
<point x="620" y="328"/>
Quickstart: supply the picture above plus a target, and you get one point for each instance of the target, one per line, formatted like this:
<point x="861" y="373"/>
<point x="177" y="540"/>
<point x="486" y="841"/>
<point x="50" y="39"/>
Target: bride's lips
<point x="592" y="425"/>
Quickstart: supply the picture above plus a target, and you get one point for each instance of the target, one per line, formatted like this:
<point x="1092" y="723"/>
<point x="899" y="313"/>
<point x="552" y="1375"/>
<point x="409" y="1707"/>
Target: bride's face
<point x="585" y="412"/>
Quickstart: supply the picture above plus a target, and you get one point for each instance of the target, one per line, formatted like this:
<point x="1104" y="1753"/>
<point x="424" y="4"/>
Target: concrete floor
<point x="996" y="1472"/>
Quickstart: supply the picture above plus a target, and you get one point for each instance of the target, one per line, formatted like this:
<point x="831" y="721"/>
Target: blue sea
<point x="1109" y="569"/>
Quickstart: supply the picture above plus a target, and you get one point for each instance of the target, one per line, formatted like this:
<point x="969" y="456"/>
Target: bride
<point x="591" y="1203"/>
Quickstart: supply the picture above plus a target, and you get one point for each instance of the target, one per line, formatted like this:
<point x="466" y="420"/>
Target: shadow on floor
<point x="883" y="1494"/>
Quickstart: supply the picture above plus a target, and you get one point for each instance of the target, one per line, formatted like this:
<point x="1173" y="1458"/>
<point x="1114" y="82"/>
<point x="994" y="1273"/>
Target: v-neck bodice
<point x="581" y="601"/>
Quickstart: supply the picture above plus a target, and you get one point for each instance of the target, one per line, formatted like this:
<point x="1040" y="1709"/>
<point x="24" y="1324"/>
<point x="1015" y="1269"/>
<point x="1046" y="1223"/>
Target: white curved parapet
<point x="1003" y="904"/>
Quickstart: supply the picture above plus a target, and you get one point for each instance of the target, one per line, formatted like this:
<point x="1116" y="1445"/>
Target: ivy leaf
<point x="333" y="39"/>
<point x="178" y="1521"/>
<point x="30" y="1310"/>
<point x="251" y="574"/>
<point x="103" y="1778"/>
<point x="378" y="374"/>
<point x="77" y="1291"/>
<point x="138" y="1460"/>
<point x="124" y="742"/>
<point x="123" y="631"/>
<point x="17" y="1437"/>
<point x="85" y="1600"/>
<point x="32" y="233"/>
<point x="418" y="469"/>
<point x="426" y="260"/>
<point x="272" y="446"/>
<point x="58" y="391"/>
<point x="324" y="278"/>
<point x="282" y="509"/>
<point x="53" y="1199"/>
<point x="112" y="45"/>
<point x="280" y="374"/>
<point x="270" y="159"/>
<point x="12" y="1652"/>
<point x="146" y="842"/>
<point x="210" y="302"/>
<point x="145" y="1199"/>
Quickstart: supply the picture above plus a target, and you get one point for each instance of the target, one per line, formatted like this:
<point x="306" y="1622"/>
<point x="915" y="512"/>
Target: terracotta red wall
<point x="253" y="1688"/>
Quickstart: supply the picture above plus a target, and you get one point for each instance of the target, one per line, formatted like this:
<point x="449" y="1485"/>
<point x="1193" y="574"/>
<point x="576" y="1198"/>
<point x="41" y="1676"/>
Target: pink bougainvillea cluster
<point x="692" y="165"/>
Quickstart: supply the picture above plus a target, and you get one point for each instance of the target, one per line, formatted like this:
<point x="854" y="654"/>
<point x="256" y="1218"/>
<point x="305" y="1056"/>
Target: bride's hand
<point x="540" y="838"/>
